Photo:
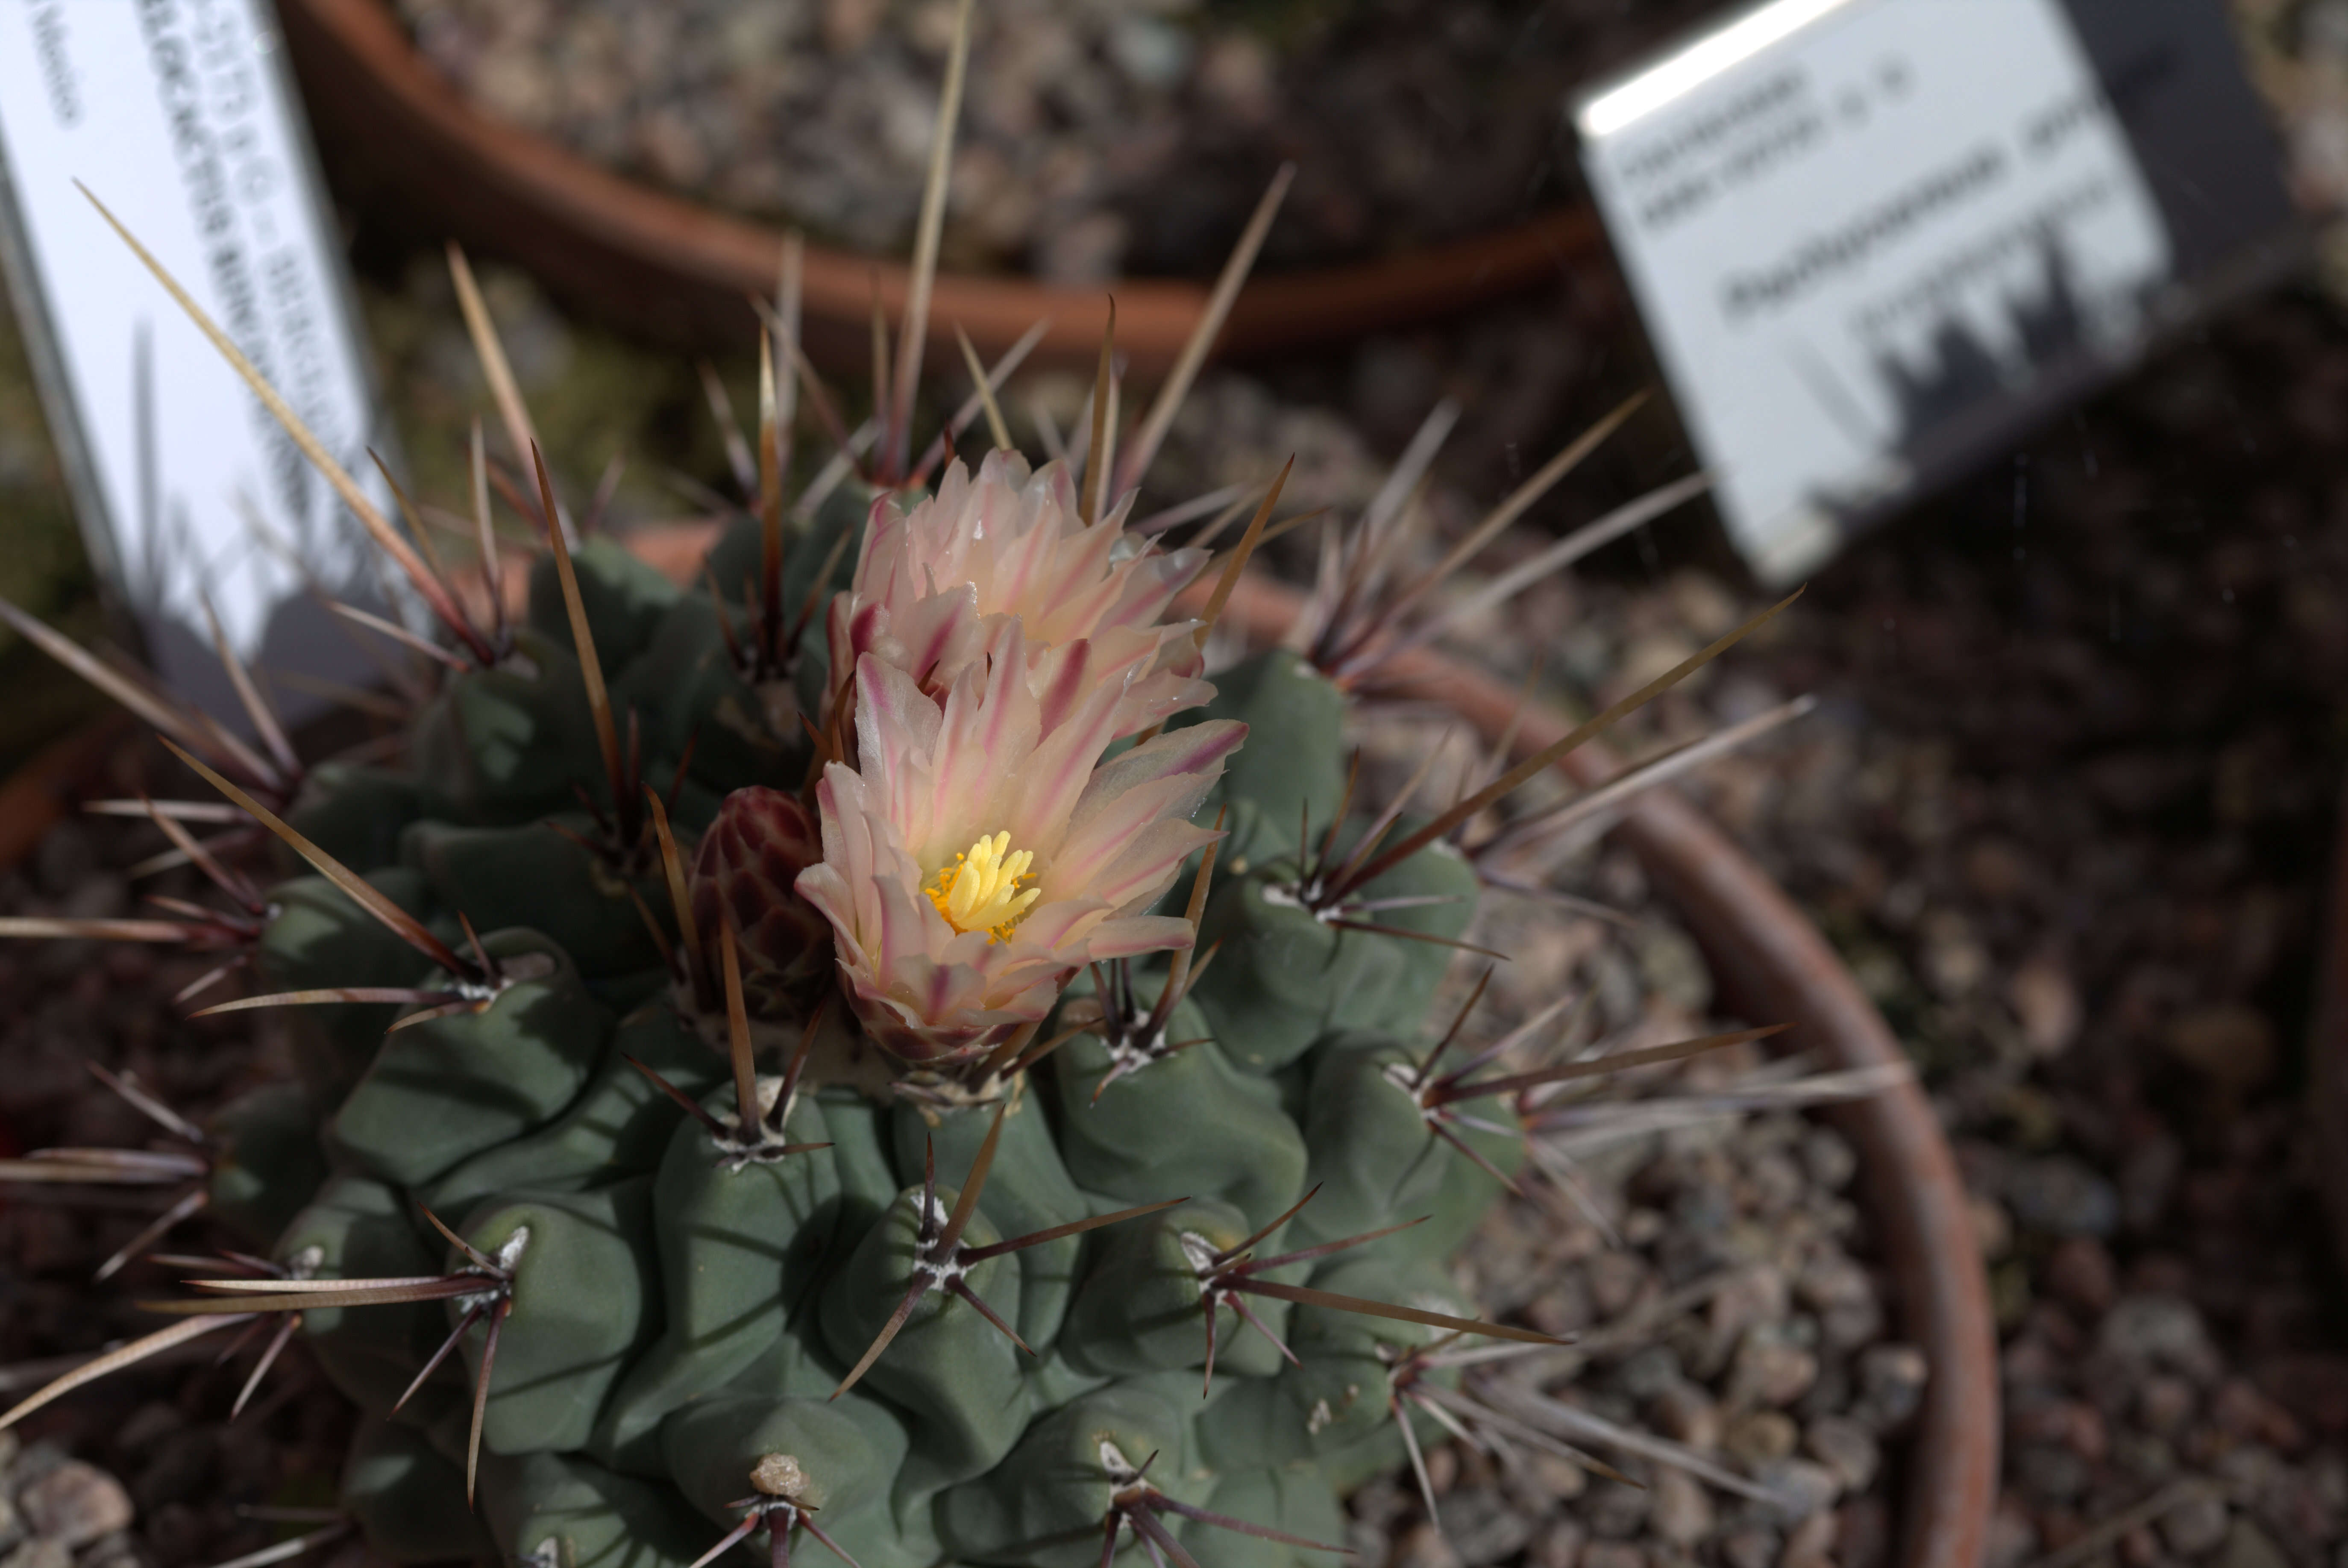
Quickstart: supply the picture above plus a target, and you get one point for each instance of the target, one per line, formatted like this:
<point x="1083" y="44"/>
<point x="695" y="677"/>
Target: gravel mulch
<point x="2070" y="811"/>
<point x="1412" y="120"/>
<point x="162" y="1427"/>
<point x="57" y="1512"/>
<point x="2067" y="809"/>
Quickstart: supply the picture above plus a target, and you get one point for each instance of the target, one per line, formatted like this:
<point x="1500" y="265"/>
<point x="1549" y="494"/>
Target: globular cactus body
<point x="676" y="1302"/>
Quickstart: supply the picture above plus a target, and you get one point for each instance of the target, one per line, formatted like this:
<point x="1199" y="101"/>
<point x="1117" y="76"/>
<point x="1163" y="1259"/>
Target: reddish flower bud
<point x="763" y="839"/>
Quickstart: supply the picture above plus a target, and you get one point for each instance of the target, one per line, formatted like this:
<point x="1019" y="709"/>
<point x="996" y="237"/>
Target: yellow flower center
<point x="981" y="891"/>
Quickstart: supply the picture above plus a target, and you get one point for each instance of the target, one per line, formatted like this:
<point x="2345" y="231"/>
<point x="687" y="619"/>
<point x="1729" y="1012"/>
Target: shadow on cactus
<point x="787" y="1054"/>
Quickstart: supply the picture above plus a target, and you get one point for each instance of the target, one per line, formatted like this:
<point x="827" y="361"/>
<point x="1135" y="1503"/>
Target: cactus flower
<point x="940" y="587"/>
<point x="981" y="851"/>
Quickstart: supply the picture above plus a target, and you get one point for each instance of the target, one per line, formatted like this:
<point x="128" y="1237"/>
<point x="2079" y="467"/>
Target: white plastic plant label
<point x="180" y="115"/>
<point x="1873" y="239"/>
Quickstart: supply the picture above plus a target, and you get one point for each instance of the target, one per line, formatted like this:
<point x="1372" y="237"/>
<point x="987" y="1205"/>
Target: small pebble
<point x="2080" y="1275"/>
<point x="2248" y="1546"/>
<point x="1844" y="1446"/>
<point x="1993" y="1227"/>
<point x="1612" y="1554"/>
<point x="1557" y="1477"/>
<point x="1756" y="1295"/>
<point x="1810" y="1544"/>
<point x="39" y="1553"/>
<point x="2150" y="1333"/>
<point x="1752" y="1547"/>
<point x="2013" y="1535"/>
<point x="1482" y="1526"/>
<point x="1647" y="1374"/>
<point x="1759" y="1436"/>
<point x="1828" y="1157"/>
<point x="1422" y="1546"/>
<point x="2066" y="1196"/>
<point x="1614" y="1510"/>
<point x="1891" y="1380"/>
<point x="2046" y="1004"/>
<point x="1615" y="1280"/>
<point x="2048" y="1473"/>
<point x="76" y="1503"/>
<point x="1770" y="1371"/>
<point x="2196" y="1525"/>
<point x="1803" y="1489"/>
<point x="2242" y="1412"/>
<point x="36" y="1460"/>
<point x="1558" y="1544"/>
<point x="2232" y="1047"/>
<point x="1682" y="1513"/>
<point x="1686" y="1414"/>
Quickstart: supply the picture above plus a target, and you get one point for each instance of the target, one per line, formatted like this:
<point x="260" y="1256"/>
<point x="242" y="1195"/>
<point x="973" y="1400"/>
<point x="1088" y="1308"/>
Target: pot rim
<point x="677" y="267"/>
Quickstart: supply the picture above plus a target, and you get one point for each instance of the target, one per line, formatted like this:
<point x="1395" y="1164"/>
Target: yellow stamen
<point x="981" y="891"/>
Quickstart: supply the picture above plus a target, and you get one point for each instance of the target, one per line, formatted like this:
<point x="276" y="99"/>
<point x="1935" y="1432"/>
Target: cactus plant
<point x="875" y="1047"/>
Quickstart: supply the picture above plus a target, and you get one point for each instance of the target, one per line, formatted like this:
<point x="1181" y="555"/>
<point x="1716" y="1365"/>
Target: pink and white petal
<point x="1055" y="922"/>
<point x="881" y="549"/>
<point x="842" y="806"/>
<point x="897" y="727"/>
<point x="990" y="729"/>
<point x="1063" y="674"/>
<point x="1026" y="554"/>
<point x="1136" y="934"/>
<point x="1151" y="583"/>
<point x="853" y="626"/>
<point x="1197" y="751"/>
<point x="1150" y="863"/>
<point x="1077" y="589"/>
<point x="1154" y="698"/>
<point x="1055" y="776"/>
<point x="826" y="892"/>
<point x="930" y="628"/>
<point x="929" y="1010"/>
<point x="890" y="928"/>
<point x="1027" y="984"/>
<point x="1088" y="852"/>
<point x="896" y="723"/>
<point x="856" y="851"/>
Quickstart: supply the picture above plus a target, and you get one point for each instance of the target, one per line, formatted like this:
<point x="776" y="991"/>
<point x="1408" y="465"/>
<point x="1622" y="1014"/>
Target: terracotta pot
<point x="660" y="264"/>
<point x="1773" y="966"/>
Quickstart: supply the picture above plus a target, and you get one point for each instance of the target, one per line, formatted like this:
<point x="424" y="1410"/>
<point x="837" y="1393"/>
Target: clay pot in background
<point x="664" y="266"/>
